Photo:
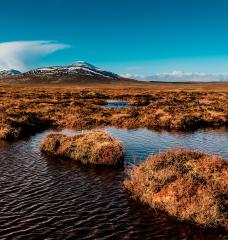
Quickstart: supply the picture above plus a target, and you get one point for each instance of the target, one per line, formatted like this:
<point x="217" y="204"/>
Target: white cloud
<point x="22" y="55"/>
<point x="134" y="76"/>
<point x="180" y="76"/>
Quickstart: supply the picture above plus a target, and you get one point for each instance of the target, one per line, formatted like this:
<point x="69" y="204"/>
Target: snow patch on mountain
<point x="78" y="68"/>
<point x="8" y="73"/>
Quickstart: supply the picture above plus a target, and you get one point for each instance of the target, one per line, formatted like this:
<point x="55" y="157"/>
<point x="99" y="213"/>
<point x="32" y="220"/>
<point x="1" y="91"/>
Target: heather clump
<point x="94" y="147"/>
<point x="184" y="183"/>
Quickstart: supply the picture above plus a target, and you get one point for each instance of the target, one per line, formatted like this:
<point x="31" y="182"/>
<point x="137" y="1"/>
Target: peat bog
<point x="81" y="108"/>
<point x="42" y="196"/>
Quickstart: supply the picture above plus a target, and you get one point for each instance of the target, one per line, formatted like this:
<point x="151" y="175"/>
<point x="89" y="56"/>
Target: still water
<point x="117" y="104"/>
<point x="43" y="198"/>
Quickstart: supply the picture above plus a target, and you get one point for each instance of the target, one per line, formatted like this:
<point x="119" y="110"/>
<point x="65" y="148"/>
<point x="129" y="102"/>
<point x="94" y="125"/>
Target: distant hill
<point x="79" y="72"/>
<point x="9" y="73"/>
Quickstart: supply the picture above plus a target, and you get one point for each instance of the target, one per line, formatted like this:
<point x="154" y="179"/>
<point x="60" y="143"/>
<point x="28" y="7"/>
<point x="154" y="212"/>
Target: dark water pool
<point x="117" y="104"/>
<point x="41" y="198"/>
<point x="139" y="143"/>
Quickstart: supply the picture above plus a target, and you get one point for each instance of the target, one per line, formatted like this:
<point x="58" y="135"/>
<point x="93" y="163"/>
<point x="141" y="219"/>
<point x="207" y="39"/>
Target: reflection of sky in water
<point x="140" y="143"/>
<point x="117" y="104"/>
<point x="46" y="198"/>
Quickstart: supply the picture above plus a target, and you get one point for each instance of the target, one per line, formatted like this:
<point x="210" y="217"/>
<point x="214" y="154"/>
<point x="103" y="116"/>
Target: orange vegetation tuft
<point x="18" y="125"/>
<point x="184" y="183"/>
<point x="94" y="147"/>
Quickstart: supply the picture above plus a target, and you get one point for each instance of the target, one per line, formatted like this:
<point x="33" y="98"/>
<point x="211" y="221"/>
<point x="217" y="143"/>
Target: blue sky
<point x="137" y="37"/>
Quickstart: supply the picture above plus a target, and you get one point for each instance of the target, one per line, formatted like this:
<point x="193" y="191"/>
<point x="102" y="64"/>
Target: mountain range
<point x="83" y="72"/>
<point x="76" y="72"/>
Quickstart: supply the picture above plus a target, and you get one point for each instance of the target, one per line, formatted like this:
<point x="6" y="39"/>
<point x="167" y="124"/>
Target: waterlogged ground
<point x="116" y="104"/>
<point x="139" y="143"/>
<point x="30" y="108"/>
<point x="41" y="198"/>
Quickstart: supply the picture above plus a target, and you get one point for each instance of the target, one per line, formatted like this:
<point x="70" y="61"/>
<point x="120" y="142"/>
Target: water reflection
<point x="139" y="143"/>
<point x="43" y="198"/>
<point x="117" y="104"/>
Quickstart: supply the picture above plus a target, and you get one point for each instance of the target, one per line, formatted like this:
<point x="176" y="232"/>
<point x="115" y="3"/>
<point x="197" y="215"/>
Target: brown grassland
<point x="26" y="109"/>
<point x="184" y="183"/>
<point x="95" y="147"/>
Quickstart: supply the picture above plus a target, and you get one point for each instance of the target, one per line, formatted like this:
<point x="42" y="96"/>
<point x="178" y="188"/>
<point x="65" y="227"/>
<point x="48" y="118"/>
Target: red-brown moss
<point x="95" y="147"/>
<point x="184" y="183"/>
<point x="70" y="106"/>
<point x="17" y="126"/>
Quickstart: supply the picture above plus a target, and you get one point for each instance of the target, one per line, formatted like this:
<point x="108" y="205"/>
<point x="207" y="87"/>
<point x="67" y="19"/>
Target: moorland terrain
<point x="28" y="108"/>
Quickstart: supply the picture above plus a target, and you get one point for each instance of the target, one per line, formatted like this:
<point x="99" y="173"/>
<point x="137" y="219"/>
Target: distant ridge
<point x="78" y="72"/>
<point x="77" y="68"/>
<point x="7" y="73"/>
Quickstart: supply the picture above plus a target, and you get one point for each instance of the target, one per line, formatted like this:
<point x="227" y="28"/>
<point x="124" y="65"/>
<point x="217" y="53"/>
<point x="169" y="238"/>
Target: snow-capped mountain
<point x="179" y="76"/>
<point x="9" y="73"/>
<point x="78" y="72"/>
<point x="78" y="68"/>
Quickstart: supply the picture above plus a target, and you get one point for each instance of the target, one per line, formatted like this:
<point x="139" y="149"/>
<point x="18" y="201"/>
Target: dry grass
<point x="184" y="183"/>
<point x="171" y="107"/>
<point x="95" y="147"/>
<point x="16" y="126"/>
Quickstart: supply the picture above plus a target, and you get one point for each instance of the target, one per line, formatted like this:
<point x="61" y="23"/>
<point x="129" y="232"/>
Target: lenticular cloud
<point x="23" y="54"/>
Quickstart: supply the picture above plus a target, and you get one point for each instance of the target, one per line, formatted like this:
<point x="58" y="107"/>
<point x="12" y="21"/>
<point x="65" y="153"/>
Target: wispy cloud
<point x="21" y="55"/>
<point x="134" y="76"/>
<point x="180" y="76"/>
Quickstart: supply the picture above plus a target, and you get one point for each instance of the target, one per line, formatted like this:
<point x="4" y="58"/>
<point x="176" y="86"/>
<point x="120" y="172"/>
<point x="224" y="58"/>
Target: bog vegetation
<point x="95" y="147"/>
<point x="184" y="183"/>
<point x="26" y="109"/>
